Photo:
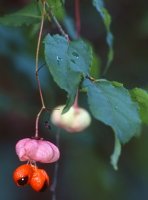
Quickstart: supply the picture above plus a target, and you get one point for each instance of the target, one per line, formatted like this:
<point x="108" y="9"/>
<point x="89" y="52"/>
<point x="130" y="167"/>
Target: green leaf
<point x="67" y="62"/>
<point x="95" y="66"/>
<point x="141" y="97"/>
<point x="70" y="100"/>
<point x="80" y="56"/>
<point x="54" y="4"/>
<point x="30" y="14"/>
<point x="113" y="106"/>
<point x="100" y="7"/>
<point x="63" y="1"/>
<point x="117" y="84"/>
<point x="34" y="29"/>
<point x="57" y="8"/>
<point x="116" y="154"/>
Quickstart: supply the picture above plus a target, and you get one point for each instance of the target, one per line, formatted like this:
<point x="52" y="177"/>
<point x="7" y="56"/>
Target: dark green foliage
<point x="141" y="97"/>
<point x="113" y="106"/>
<point x="100" y="7"/>
<point x="67" y="62"/>
<point x="30" y="14"/>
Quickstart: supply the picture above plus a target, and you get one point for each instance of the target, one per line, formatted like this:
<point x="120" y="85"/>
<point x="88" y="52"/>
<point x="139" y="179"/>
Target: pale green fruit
<point x="75" y="120"/>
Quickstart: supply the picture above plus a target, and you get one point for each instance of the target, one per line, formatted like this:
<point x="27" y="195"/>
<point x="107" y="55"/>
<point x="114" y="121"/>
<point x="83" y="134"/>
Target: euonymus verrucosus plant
<point x="70" y="62"/>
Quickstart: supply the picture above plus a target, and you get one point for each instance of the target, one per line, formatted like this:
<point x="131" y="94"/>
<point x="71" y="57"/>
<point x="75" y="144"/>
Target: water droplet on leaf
<point x="59" y="59"/>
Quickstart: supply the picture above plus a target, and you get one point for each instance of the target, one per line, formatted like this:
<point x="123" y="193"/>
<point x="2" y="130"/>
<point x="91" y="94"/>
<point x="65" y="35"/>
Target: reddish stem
<point x="36" y="72"/>
<point x="76" y="101"/>
<point x="77" y="17"/>
<point x="37" y="122"/>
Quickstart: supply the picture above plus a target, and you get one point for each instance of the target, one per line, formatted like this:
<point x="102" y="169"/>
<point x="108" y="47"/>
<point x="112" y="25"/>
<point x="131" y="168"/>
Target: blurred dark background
<point x="85" y="172"/>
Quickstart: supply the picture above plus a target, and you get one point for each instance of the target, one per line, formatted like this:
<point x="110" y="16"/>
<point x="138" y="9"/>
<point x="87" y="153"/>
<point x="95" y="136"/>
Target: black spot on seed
<point x="23" y="181"/>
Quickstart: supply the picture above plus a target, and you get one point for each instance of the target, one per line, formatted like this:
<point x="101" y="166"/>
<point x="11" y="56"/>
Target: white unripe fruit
<point x="75" y="120"/>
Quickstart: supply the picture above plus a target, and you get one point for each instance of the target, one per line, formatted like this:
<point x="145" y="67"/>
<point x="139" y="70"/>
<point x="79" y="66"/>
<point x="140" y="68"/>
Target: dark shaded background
<point x="85" y="172"/>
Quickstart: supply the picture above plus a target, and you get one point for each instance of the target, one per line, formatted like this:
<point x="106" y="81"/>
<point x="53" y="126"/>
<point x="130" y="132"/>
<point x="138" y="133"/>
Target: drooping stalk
<point x="36" y="72"/>
<point x="53" y="17"/>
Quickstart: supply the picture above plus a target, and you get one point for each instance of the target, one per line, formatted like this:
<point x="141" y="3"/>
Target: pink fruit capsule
<point x="75" y="120"/>
<point x="37" y="150"/>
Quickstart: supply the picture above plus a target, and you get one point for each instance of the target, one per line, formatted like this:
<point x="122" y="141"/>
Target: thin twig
<point x="59" y="26"/>
<point x="76" y="100"/>
<point x="51" y="14"/>
<point x="37" y="122"/>
<point x="37" y="55"/>
<point x="37" y="70"/>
